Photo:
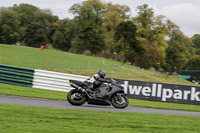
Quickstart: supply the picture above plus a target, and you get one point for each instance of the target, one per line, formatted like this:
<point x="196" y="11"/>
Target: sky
<point x="184" y="13"/>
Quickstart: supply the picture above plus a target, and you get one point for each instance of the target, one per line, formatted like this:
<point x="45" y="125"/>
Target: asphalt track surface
<point x="25" y="101"/>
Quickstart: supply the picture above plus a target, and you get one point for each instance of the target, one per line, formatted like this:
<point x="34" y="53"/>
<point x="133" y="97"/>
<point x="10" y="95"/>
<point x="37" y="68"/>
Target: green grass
<point x="78" y="64"/>
<point x="47" y="94"/>
<point x="24" y="119"/>
<point x="6" y="89"/>
<point x="51" y="59"/>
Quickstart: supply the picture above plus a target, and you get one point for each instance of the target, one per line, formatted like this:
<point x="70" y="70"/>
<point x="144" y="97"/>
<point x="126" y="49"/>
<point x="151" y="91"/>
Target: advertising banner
<point x="161" y="92"/>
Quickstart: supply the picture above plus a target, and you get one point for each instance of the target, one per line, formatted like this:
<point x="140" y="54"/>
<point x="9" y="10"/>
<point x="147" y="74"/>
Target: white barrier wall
<point x="49" y="80"/>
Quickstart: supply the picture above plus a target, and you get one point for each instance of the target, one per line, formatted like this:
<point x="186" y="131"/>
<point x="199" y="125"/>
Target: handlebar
<point x="114" y="82"/>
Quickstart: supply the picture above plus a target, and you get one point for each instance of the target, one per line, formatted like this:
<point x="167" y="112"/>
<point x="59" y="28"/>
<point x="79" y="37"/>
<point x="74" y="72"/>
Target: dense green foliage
<point x="9" y="27"/>
<point x="196" y="41"/>
<point x="92" y="32"/>
<point x="126" y="34"/>
<point x="91" y="35"/>
<point x="179" y="51"/>
<point x="194" y="63"/>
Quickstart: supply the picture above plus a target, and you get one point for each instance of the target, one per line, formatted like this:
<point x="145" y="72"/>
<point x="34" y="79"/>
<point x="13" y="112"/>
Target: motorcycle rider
<point x="96" y="80"/>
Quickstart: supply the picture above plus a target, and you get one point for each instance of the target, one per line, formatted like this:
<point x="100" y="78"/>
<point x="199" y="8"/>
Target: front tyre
<point x="119" y="101"/>
<point x="76" y="97"/>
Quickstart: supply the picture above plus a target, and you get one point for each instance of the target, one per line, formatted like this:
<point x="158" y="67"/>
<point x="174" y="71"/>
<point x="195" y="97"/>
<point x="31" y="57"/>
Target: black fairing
<point x="113" y="90"/>
<point x="96" y="101"/>
<point x="79" y="83"/>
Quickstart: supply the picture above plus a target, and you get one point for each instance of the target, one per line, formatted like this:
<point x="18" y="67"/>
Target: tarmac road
<point x="25" y="101"/>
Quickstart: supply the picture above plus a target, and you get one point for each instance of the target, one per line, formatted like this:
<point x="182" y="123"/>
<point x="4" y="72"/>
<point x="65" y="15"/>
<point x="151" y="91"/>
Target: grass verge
<point x="23" y="119"/>
<point x="7" y="89"/>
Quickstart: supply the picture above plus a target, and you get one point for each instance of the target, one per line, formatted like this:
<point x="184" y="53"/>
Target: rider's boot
<point x="91" y="92"/>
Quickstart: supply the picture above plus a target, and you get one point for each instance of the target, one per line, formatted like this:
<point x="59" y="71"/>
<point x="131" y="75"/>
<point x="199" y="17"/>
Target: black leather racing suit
<point x="95" y="81"/>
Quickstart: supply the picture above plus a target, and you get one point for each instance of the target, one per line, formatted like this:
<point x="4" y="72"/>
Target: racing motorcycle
<point x="111" y="94"/>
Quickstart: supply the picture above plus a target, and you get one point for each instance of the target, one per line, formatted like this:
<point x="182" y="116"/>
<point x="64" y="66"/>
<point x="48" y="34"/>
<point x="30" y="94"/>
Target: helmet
<point x="101" y="73"/>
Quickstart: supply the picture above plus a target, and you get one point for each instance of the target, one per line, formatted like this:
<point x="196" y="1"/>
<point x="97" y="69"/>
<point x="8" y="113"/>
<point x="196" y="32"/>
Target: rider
<point x="96" y="80"/>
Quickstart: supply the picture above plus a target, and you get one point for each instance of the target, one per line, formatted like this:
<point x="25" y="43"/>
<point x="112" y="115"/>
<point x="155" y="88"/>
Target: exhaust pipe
<point x="75" y="86"/>
<point x="79" y="88"/>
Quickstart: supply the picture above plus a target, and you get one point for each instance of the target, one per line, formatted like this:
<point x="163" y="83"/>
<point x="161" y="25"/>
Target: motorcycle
<point x="111" y="94"/>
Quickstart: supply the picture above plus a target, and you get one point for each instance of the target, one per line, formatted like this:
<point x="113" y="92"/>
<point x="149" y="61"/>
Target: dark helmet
<point x="101" y="73"/>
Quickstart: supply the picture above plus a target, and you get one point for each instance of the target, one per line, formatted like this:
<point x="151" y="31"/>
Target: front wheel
<point x="75" y="97"/>
<point x="119" y="101"/>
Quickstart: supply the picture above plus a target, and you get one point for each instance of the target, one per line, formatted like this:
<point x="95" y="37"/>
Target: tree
<point x="35" y="35"/>
<point x="153" y="29"/>
<point x="9" y="27"/>
<point x="91" y="34"/>
<point x="126" y="35"/>
<point x="179" y="51"/>
<point x="194" y="63"/>
<point x="26" y="13"/>
<point x="113" y="15"/>
<point x="151" y="57"/>
<point x="59" y="40"/>
<point x="29" y="14"/>
<point x="90" y="38"/>
<point x="68" y="28"/>
<point x="145" y="22"/>
<point x="88" y="12"/>
<point x="145" y="16"/>
<point x="196" y="42"/>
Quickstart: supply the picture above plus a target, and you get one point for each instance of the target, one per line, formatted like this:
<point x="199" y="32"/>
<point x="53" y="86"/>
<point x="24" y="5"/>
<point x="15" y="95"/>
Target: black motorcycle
<point x="111" y="94"/>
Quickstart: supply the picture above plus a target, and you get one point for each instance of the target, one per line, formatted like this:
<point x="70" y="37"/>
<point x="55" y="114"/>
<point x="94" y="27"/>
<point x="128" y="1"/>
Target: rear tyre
<point x="119" y="101"/>
<point x="76" y="97"/>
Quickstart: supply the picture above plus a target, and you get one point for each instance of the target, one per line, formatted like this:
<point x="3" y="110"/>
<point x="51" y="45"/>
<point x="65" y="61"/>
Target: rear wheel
<point x="119" y="101"/>
<point x="76" y="97"/>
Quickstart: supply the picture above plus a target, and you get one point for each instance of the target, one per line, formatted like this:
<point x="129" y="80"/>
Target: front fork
<point x="120" y="98"/>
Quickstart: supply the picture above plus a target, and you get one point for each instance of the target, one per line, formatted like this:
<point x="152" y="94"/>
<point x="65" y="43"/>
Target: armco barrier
<point x="35" y="78"/>
<point x="54" y="80"/>
<point x="16" y="75"/>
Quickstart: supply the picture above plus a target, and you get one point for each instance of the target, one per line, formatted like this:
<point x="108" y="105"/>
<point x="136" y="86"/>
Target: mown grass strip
<point x="23" y="119"/>
<point x="7" y="89"/>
